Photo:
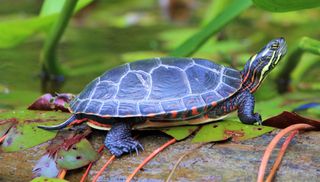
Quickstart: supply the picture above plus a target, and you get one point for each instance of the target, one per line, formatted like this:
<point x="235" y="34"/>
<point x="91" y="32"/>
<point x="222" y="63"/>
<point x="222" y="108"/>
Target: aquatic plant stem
<point x="272" y="145"/>
<point x="280" y="155"/>
<point x="62" y="174"/>
<point x="84" y="176"/>
<point x="151" y="156"/>
<point x="103" y="168"/>
<point x="52" y="71"/>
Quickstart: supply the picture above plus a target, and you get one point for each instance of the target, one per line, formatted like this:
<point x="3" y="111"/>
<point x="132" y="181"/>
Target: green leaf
<point x="224" y="130"/>
<point x="214" y="26"/>
<point x="50" y="7"/>
<point x="26" y="134"/>
<point x="44" y="179"/>
<point x="80" y="154"/>
<point x="180" y="132"/>
<point x="14" y="32"/>
<point x="286" y="5"/>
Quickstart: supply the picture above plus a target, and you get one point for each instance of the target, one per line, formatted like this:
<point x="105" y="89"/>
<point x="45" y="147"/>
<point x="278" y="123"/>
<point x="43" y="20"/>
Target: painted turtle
<point x="170" y="91"/>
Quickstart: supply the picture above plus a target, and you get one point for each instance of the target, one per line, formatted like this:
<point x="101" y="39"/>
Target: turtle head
<point x="260" y="64"/>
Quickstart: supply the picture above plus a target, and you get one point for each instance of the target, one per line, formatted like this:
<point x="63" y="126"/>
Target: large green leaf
<point x="15" y="32"/>
<point x="286" y="5"/>
<point x="80" y="154"/>
<point x="224" y="130"/>
<point x="25" y="133"/>
<point x="214" y="26"/>
<point x="50" y="7"/>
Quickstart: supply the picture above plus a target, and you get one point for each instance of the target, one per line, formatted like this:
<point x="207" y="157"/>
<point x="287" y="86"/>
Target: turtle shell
<point x="160" y="88"/>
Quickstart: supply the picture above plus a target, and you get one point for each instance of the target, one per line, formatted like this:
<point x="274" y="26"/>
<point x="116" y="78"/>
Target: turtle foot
<point x="120" y="141"/>
<point x="120" y="147"/>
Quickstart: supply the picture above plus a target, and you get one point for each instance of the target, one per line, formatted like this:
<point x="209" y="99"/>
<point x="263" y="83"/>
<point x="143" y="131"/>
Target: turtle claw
<point x="258" y="119"/>
<point x="121" y="147"/>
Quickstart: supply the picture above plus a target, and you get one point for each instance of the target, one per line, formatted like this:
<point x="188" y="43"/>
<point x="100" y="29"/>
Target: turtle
<point x="169" y="91"/>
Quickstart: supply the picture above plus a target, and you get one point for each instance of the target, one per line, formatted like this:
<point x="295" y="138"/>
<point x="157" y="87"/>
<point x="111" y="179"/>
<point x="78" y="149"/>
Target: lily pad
<point x="180" y="132"/>
<point x="44" y="179"/>
<point x="229" y="129"/>
<point x="25" y="134"/>
<point x="79" y="155"/>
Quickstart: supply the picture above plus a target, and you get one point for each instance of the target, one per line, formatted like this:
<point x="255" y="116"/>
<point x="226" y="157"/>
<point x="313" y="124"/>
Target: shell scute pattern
<point x="161" y="87"/>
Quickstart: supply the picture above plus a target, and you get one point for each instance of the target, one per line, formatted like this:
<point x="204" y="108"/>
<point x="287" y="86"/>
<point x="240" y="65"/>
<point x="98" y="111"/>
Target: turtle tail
<point x="60" y="126"/>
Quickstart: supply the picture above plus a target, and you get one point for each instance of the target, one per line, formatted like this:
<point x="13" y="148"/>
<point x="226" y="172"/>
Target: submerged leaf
<point x="80" y="154"/>
<point x="46" y="167"/>
<point x="224" y="130"/>
<point x="180" y="132"/>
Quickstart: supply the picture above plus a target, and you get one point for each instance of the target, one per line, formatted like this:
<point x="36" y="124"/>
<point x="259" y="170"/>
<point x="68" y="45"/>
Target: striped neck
<point x="259" y="65"/>
<point x="255" y="71"/>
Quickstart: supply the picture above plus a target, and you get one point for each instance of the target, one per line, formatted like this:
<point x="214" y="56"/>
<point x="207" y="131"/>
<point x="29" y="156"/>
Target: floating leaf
<point x="180" y="132"/>
<point x="80" y="154"/>
<point x="286" y="119"/>
<point x="286" y="5"/>
<point x="233" y="129"/>
<point x="25" y="133"/>
<point x="46" y="167"/>
<point x="44" y="179"/>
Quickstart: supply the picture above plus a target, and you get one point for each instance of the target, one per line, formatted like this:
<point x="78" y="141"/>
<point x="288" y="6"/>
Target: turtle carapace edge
<point x="162" y="92"/>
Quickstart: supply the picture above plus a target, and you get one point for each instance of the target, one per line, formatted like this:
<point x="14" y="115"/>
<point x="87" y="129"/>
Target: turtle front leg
<point x="120" y="141"/>
<point x="245" y="102"/>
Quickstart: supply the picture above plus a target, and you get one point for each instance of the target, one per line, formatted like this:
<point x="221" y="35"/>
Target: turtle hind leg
<point x="119" y="140"/>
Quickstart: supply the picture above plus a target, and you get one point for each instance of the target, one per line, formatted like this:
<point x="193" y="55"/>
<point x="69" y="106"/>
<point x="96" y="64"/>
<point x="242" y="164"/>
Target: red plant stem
<point x="151" y="156"/>
<point x="272" y="145"/>
<point x="103" y="168"/>
<point x="280" y="155"/>
<point x="62" y="174"/>
<point x="84" y="176"/>
<point x="3" y="137"/>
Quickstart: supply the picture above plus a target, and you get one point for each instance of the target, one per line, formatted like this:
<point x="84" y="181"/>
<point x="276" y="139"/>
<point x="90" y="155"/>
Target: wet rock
<point x="229" y="161"/>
